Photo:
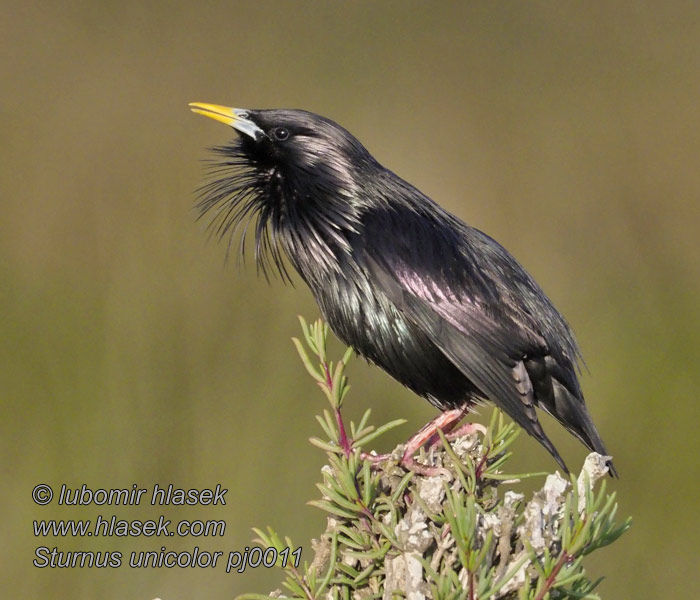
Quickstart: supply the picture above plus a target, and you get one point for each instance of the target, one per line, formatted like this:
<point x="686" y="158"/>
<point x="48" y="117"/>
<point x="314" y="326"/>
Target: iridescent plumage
<point x="439" y="305"/>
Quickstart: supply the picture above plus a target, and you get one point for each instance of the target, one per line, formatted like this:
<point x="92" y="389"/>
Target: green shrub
<point x="393" y="534"/>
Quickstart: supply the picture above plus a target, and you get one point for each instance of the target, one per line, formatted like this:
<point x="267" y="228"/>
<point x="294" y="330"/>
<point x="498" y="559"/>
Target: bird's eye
<point x="280" y="133"/>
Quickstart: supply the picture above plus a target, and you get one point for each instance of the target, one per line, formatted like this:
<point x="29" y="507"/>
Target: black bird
<point x="440" y="306"/>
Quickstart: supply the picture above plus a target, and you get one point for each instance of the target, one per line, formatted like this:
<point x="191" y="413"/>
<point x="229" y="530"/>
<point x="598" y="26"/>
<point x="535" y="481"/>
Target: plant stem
<point x="343" y="437"/>
<point x="344" y="442"/>
<point x="549" y="582"/>
<point x="302" y="583"/>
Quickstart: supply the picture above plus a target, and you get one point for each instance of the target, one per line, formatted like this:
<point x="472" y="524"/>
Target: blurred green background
<point x="130" y="353"/>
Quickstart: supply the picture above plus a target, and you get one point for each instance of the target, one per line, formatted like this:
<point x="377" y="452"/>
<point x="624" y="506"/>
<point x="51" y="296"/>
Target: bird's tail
<point x="572" y="413"/>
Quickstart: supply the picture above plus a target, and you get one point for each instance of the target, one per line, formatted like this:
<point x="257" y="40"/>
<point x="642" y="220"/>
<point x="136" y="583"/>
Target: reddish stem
<point x="343" y="441"/>
<point x="479" y="470"/>
<point x="329" y="379"/>
<point x="549" y="582"/>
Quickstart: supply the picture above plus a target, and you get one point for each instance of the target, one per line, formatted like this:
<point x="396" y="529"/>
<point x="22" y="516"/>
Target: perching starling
<point x="440" y="306"/>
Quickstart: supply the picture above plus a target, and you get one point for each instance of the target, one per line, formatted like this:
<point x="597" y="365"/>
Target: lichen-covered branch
<point x="466" y="534"/>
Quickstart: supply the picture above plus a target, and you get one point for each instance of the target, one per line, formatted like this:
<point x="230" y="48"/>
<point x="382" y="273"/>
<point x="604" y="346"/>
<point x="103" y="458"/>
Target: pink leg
<point x="446" y="422"/>
<point x="466" y="429"/>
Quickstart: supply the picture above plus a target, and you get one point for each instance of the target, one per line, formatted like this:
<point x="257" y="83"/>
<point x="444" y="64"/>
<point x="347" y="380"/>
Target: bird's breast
<point x="364" y="318"/>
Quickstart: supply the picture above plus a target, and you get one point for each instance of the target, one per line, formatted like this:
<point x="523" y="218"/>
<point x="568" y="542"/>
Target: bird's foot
<point x="375" y="459"/>
<point x="466" y="429"/>
<point x="411" y="464"/>
<point x="406" y="462"/>
<point x="428" y="436"/>
<point x="444" y="422"/>
<point x="462" y="430"/>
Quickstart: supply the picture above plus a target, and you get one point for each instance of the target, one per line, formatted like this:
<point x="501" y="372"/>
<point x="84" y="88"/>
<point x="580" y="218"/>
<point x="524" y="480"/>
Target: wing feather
<point x="441" y="280"/>
<point x="471" y="340"/>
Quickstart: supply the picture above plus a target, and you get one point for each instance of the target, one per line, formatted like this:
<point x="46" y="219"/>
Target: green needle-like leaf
<point x="477" y="545"/>
<point x="379" y="431"/>
<point x="307" y="361"/>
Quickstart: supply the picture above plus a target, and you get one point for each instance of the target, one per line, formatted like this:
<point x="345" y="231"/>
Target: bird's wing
<point x="421" y="270"/>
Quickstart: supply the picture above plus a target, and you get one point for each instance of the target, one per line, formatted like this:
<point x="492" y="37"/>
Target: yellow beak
<point x="238" y="118"/>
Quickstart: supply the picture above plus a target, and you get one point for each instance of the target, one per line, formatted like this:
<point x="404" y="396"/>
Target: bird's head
<point x="299" y="174"/>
